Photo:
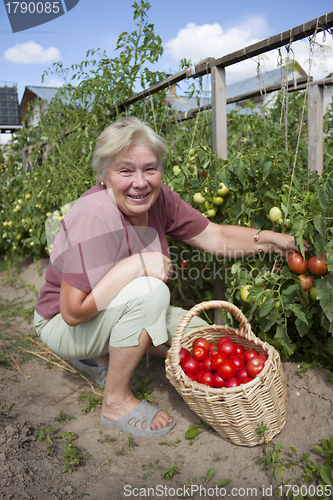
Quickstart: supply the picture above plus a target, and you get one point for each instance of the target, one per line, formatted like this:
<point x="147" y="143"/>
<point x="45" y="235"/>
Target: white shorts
<point x="142" y="304"/>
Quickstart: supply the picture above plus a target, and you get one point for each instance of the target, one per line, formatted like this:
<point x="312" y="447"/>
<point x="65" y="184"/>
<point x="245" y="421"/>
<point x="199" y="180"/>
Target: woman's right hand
<point x="155" y="264"/>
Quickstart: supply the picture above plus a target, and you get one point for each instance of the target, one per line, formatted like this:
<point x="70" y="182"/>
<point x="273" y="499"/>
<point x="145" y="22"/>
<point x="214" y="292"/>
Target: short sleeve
<point x="182" y="221"/>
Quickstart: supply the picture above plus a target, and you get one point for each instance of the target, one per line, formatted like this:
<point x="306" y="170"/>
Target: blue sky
<point x="189" y="28"/>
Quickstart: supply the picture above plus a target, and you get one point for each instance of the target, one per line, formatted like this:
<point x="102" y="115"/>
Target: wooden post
<point x="219" y="129"/>
<point x="315" y="128"/>
<point x="219" y="112"/>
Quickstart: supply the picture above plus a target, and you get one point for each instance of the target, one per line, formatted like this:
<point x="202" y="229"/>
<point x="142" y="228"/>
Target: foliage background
<point x="266" y="166"/>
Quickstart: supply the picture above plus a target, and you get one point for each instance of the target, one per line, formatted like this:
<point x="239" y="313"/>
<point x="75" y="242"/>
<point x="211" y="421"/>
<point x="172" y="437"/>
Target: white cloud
<point x="31" y="53"/>
<point x="210" y="40"/>
<point x="53" y="82"/>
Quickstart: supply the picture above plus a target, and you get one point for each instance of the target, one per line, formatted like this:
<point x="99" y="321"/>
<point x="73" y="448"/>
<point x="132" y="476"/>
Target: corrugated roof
<point x="46" y="93"/>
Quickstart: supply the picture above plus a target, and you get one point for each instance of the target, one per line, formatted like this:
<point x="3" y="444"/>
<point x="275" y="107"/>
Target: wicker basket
<point x="234" y="413"/>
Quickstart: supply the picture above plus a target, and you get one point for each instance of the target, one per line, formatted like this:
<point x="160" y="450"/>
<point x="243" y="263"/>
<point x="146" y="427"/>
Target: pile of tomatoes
<point x="317" y="266"/>
<point x="224" y="364"/>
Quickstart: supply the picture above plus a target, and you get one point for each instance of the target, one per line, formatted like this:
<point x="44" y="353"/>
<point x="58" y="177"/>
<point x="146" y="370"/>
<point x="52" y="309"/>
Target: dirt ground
<point x="112" y="466"/>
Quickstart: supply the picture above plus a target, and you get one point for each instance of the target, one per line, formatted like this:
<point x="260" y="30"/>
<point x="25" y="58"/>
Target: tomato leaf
<point x="271" y="319"/>
<point x="324" y="289"/>
<point x="266" y="307"/>
<point x="297" y="310"/>
<point x="283" y="337"/>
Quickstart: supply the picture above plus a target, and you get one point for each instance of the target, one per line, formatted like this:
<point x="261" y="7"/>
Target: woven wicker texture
<point x="234" y="413"/>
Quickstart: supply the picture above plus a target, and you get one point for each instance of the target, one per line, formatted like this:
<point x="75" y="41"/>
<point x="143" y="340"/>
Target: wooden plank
<point x="200" y="69"/>
<point x="300" y="84"/>
<point x="204" y="67"/>
<point x="316" y="128"/>
<point x="302" y="31"/>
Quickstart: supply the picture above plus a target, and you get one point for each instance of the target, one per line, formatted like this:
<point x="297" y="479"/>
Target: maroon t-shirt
<point x="95" y="235"/>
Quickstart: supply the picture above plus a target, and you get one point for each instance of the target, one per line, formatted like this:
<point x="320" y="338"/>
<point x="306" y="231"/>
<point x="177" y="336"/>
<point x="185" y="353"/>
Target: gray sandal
<point x="132" y="422"/>
<point x="89" y="369"/>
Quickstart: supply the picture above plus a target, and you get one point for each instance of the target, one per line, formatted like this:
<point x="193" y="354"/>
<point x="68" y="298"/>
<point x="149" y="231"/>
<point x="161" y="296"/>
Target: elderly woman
<point x="105" y="300"/>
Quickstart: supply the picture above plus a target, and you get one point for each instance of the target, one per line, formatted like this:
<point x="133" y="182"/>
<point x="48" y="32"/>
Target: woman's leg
<point x="118" y="399"/>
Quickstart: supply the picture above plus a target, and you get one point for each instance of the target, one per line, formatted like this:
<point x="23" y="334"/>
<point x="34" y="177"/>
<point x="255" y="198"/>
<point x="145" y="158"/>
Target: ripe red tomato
<point x="183" y="264"/>
<point x="207" y="379"/>
<point x="307" y="281"/>
<point x="242" y="374"/>
<point x="249" y="354"/>
<point x="227" y="369"/>
<point x="233" y="382"/>
<point x="221" y="340"/>
<point x="255" y="365"/>
<point x="218" y="381"/>
<point x="247" y="379"/>
<point x="190" y="365"/>
<point x="207" y="364"/>
<point x="213" y="349"/>
<point x="184" y="353"/>
<point x="200" y="353"/>
<point x="198" y="376"/>
<point x="238" y="360"/>
<point x="264" y="355"/>
<point x="228" y="348"/>
<point x="217" y="359"/>
<point x="240" y="350"/>
<point x="296" y="263"/>
<point x="318" y="266"/>
<point x="202" y="342"/>
<point x="191" y="376"/>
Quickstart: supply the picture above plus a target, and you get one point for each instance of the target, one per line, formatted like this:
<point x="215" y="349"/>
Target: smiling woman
<point x="105" y="300"/>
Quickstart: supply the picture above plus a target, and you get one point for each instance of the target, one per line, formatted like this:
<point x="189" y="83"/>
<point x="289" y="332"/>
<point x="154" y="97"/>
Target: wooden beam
<point x="302" y="31"/>
<point x="316" y="128"/>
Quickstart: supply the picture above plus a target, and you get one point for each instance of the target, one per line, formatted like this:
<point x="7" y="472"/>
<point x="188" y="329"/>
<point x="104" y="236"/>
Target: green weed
<point x="91" y="402"/>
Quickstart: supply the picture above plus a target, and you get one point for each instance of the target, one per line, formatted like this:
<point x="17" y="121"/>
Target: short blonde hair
<point x="119" y="136"/>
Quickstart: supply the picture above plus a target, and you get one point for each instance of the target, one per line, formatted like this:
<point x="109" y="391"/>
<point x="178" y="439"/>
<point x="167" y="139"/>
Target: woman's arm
<point x="77" y="306"/>
<point x="237" y="241"/>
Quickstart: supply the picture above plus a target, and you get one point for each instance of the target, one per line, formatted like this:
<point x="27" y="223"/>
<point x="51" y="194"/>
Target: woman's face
<point x="135" y="178"/>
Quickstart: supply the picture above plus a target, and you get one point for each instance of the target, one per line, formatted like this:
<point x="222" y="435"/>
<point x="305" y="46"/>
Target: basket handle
<point x="244" y="326"/>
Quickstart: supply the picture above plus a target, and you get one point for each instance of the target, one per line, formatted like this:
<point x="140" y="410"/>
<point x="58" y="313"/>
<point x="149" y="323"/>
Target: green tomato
<point x="313" y="293"/>
<point x="199" y="199"/>
<point x="223" y="190"/>
<point x="176" y="170"/>
<point x="211" y="212"/>
<point x="245" y="292"/>
<point x="217" y="200"/>
<point x="275" y="214"/>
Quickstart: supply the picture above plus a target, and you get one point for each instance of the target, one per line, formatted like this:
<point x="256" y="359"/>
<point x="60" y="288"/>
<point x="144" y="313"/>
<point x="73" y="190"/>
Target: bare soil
<point x="34" y="394"/>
